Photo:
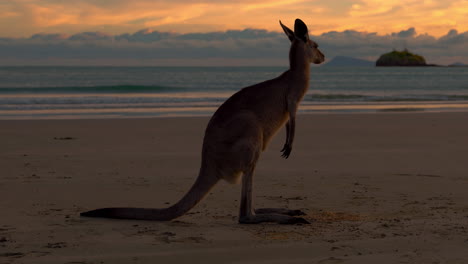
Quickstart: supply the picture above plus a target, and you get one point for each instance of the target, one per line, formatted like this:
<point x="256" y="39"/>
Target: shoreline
<point x="305" y="108"/>
<point x="384" y="188"/>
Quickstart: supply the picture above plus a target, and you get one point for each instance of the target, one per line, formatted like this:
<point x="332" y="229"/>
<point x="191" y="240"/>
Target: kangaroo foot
<point x="282" y="211"/>
<point x="275" y="218"/>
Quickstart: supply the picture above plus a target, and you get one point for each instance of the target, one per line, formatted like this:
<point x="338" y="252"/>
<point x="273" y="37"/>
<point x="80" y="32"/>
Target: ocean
<point x="135" y="92"/>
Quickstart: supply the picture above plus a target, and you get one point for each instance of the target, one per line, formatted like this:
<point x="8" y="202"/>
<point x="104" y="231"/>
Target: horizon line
<point x="150" y="30"/>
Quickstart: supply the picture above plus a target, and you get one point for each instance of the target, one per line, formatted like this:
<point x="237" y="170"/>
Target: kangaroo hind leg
<point x="248" y="215"/>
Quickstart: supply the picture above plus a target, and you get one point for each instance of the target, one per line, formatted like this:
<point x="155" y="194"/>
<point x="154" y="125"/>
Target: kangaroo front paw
<point x="286" y="151"/>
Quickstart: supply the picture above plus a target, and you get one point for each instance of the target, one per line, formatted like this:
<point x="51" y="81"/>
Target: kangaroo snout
<point x="320" y="58"/>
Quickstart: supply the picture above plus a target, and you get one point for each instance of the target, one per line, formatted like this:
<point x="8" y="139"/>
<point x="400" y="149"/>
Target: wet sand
<point x="386" y="188"/>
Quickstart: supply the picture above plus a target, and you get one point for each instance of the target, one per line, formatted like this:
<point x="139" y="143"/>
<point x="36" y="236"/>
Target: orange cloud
<point x="269" y="4"/>
<point x="432" y="16"/>
<point x="26" y="17"/>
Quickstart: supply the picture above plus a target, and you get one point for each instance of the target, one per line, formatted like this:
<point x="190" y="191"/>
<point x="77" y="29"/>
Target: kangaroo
<point x="238" y="132"/>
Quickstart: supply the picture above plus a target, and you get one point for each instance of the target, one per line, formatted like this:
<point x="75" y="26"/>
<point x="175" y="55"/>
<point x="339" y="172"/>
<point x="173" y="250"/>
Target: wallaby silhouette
<point x="238" y="132"/>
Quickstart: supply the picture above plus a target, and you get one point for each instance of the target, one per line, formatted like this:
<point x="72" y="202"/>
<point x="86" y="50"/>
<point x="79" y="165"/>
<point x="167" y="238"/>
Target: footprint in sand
<point x="12" y="255"/>
<point x="169" y="237"/>
<point x="56" y="245"/>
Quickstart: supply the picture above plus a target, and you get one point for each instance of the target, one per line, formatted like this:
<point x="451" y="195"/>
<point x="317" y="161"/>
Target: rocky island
<point x="401" y="58"/>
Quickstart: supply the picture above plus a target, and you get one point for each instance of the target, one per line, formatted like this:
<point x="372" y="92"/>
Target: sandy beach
<point x="378" y="188"/>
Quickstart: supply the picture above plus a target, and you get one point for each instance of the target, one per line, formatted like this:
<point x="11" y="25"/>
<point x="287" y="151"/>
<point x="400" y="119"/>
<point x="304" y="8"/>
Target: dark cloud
<point x="252" y="46"/>
<point x="410" y="32"/>
<point x="91" y="36"/>
<point x="453" y="38"/>
<point x="231" y="34"/>
<point x="145" y="35"/>
<point x="49" y="37"/>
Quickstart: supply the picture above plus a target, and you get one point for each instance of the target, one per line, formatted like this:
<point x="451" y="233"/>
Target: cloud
<point x="49" y="37"/>
<point x="231" y="47"/>
<point x="91" y="36"/>
<point x="19" y="18"/>
<point x="453" y="38"/>
<point x="410" y="32"/>
<point x="145" y="35"/>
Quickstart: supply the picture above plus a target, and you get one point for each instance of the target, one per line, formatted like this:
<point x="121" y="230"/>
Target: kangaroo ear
<point x="288" y="32"/>
<point x="300" y="30"/>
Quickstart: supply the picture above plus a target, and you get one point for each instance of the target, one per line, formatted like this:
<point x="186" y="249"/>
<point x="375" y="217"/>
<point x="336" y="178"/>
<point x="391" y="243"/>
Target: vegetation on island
<point x="401" y="58"/>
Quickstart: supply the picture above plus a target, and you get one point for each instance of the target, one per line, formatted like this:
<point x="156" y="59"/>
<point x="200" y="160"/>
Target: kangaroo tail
<point x="201" y="187"/>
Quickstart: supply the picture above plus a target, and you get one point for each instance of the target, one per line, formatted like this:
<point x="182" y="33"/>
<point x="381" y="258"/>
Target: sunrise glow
<point x="19" y="18"/>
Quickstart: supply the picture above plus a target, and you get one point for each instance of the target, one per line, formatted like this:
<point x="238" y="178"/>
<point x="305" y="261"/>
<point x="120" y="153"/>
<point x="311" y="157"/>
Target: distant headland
<point x="401" y="58"/>
<point x="395" y="58"/>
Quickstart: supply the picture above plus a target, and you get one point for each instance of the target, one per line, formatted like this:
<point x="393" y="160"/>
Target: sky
<point x="219" y="32"/>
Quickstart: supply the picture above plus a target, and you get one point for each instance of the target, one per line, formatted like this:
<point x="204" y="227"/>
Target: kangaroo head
<point x="301" y="35"/>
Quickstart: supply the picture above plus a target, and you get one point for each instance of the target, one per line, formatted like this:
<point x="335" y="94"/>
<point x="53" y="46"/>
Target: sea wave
<point x="92" y="89"/>
<point x="384" y="98"/>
